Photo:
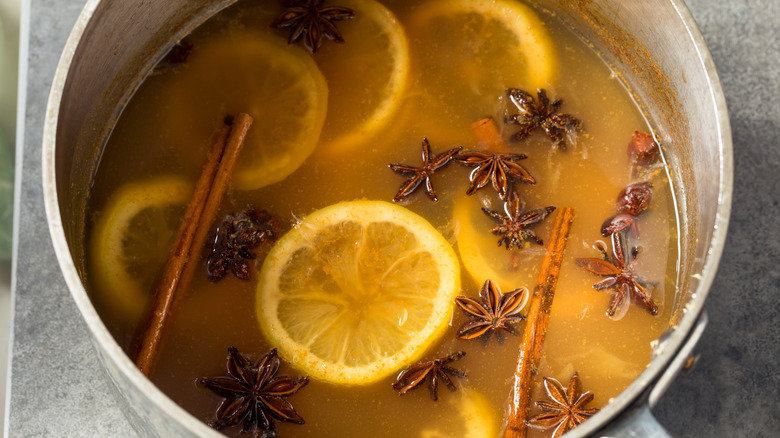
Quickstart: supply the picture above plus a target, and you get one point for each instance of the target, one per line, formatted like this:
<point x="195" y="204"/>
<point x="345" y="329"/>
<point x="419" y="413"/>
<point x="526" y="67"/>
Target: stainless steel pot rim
<point x="668" y="348"/>
<point x="664" y="354"/>
<point x="101" y="334"/>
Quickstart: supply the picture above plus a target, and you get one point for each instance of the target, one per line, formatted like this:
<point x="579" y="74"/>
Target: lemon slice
<point x="477" y="417"/>
<point x="130" y="241"/>
<point x="357" y="291"/>
<point x="480" y="254"/>
<point x="280" y="86"/>
<point x="366" y="75"/>
<point x="470" y="52"/>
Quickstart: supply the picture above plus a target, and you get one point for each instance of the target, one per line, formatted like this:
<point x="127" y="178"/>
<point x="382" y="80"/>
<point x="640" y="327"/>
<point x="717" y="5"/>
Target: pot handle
<point x="640" y="423"/>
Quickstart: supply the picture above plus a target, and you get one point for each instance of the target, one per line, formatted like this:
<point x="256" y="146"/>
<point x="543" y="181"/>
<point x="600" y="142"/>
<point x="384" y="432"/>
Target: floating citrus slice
<point x="130" y="241"/>
<point x="357" y="291"/>
<point x="474" y="417"/>
<point x="280" y="86"/>
<point x="482" y="257"/>
<point x="469" y="52"/>
<point x="366" y="75"/>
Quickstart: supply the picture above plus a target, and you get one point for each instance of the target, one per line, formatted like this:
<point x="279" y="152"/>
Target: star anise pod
<point x="422" y="174"/>
<point x="236" y="237"/>
<point x="541" y="114"/>
<point x="620" y="278"/>
<point x="567" y="409"/>
<point x="436" y="369"/>
<point x="254" y="395"/>
<point x="513" y="225"/>
<point x="500" y="169"/>
<point x="312" y="19"/>
<point x="495" y="313"/>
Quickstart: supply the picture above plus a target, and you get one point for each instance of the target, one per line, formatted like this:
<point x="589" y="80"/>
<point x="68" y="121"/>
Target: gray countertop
<point x="57" y="388"/>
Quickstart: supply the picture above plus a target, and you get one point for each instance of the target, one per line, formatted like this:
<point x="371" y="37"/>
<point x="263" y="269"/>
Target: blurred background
<point x="9" y="55"/>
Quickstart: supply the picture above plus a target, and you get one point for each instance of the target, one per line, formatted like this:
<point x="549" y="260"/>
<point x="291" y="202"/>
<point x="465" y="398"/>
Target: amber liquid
<point x="607" y="354"/>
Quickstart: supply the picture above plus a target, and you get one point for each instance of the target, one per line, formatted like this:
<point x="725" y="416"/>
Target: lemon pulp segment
<point x="357" y="291"/>
<point x="475" y="417"/>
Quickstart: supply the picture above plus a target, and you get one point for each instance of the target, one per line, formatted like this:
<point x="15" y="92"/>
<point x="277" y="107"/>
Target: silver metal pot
<point x="654" y="46"/>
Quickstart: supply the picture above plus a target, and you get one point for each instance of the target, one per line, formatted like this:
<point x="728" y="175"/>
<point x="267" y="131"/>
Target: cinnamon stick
<point x="177" y="273"/>
<point x="487" y="132"/>
<point x="536" y="326"/>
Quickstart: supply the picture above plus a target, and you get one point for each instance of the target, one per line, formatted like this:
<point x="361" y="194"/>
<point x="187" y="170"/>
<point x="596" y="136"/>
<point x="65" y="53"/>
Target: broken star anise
<point x="500" y="169"/>
<point x="635" y="198"/>
<point x="236" y="237"/>
<point x="312" y="19"/>
<point x="513" y="226"/>
<point x="631" y="202"/>
<point x="436" y="370"/>
<point x="620" y="277"/>
<point x="254" y="394"/>
<point x="422" y="175"/>
<point x="566" y="409"/>
<point x="642" y="150"/>
<point x="176" y="57"/>
<point x="496" y="313"/>
<point x="541" y="114"/>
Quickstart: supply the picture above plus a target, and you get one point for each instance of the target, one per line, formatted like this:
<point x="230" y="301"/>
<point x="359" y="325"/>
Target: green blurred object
<point x="6" y="170"/>
<point x="6" y="198"/>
